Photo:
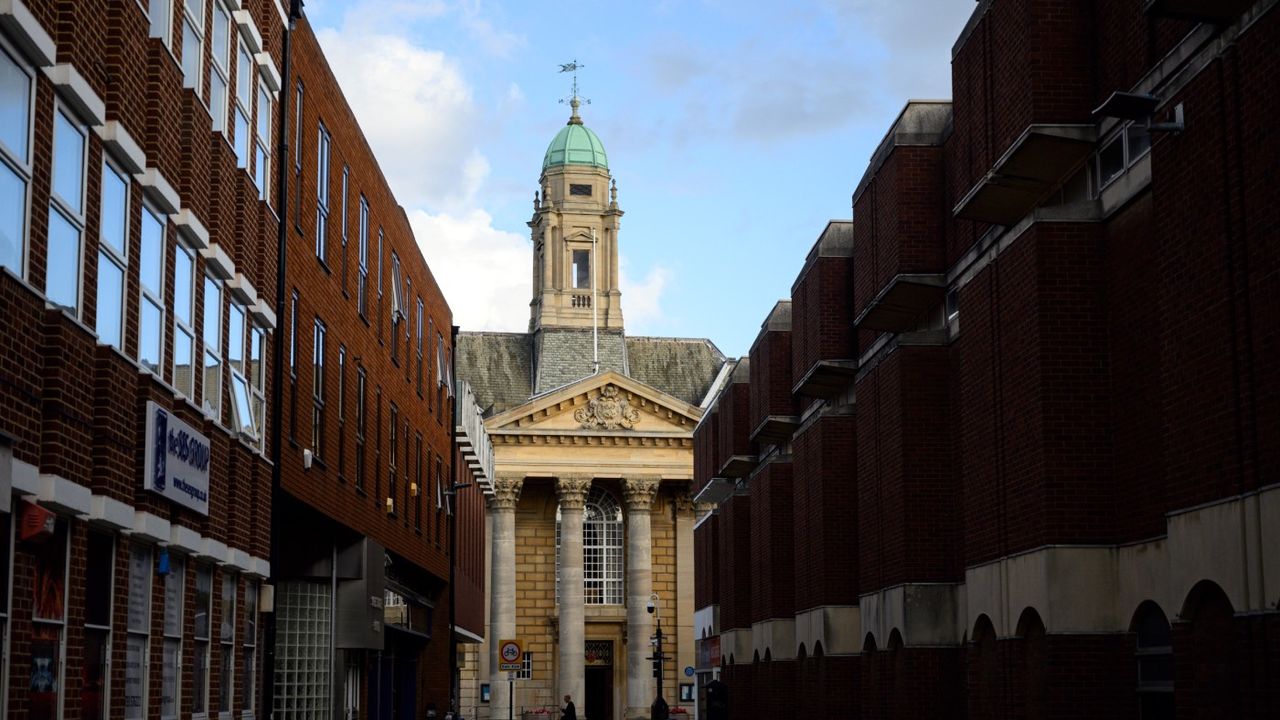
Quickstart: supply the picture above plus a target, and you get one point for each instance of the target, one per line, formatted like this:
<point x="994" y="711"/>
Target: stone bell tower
<point x="575" y="235"/>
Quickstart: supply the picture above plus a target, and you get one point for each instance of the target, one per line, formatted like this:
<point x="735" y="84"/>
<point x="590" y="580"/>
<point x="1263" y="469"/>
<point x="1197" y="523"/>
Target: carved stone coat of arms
<point x="607" y="411"/>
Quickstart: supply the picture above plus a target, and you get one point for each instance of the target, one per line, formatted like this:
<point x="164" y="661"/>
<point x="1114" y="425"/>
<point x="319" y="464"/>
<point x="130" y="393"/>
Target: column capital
<point x="684" y="503"/>
<point x="638" y="491"/>
<point x="506" y="491"/>
<point x="571" y="490"/>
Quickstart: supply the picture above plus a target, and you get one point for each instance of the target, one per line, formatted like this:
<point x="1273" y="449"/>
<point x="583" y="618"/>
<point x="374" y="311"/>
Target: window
<point x="257" y="381"/>
<point x="220" y="68"/>
<point x="393" y="454"/>
<point x="213" y="348"/>
<point x="440" y="375"/>
<point x="183" y="317"/>
<point x="362" y="284"/>
<point x="1121" y="151"/>
<point x="66" y="213"/>
<point x="379" y="285"/>
<point x="262" y="153"/>
<point x="159" y="13"/>
<point x="113" y="257"/>
<point x="244" y="103"/>
<point x="582" y="268"/>
<point x="98" y="573"/>
<point x="297" y="129"/>
<point x="417" y="485"/>
<point x="293" y="367"/>
<point x="419" y="346"/>
<point x="192" y="43"/>
<point x="204" y="610"/>
<point x="526" y="669"/>
<point x="584" y="190"/>
<point x="377" y="442"/>
<point x="322" y="193"/>
<point x="136" y="662"/>
<point x="602" y="572"/>
<point x="317" y="391"/>
<point x="397" y="313"/>
<point x="16" y="91"/>
<point x="440" y="496"/>
<point x="345" y="172"/>
<point x="240" y="345"/>
<point x="48" y="614"/>
<point x="172" y="667"/>
<point x="1154" y="654"/>
<point x="342" y="411"/>
<point x="226" y="639"/>
<point x="360" y="427"/>
<point x="249" y="640"/>
<point x="151" y="290"/>
<point x="6" y="555"/>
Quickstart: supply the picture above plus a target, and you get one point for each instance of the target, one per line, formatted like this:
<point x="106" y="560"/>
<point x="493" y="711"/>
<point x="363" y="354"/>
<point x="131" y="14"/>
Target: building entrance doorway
<point x="598" y="704"/>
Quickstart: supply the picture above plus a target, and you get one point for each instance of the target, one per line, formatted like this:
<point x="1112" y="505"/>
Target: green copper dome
<point x="575" y="144"/>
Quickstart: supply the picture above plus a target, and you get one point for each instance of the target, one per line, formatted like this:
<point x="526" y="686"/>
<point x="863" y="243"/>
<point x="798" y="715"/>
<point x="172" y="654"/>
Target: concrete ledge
<point x="777" y="637"/>
<point x="26" y="478"/>
<point x="248" y="30"/>
<point x="62" y="495"/>
<point x="218" y="262"/>
<point x="259" y="568"/>
<point x="837" y="627"/>
<point x="190" y="229"/>
<point x="27" y="33"/>
<point x="185" y="539"/>
<point x="213" y="550"/>
<point x="77" y="93"/>
<point x="111" y="513"/>
<point x="158" y="190"/>
<point x="240" y="560"/>
<point x="122" y="147"/>
<point x="151" y="527"/>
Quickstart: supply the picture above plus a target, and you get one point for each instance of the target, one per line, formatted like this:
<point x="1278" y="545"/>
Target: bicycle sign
<point x="511" y="655"/>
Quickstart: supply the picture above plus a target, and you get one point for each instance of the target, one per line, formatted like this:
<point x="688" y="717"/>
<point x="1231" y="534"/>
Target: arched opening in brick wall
<point x="985" y="673"/>
<point x="1153" y="654"/>
<point x="1030" y="659"/>
<point x="1204" y="648"/>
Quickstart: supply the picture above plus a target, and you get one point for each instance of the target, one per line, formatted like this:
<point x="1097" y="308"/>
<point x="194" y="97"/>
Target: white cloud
<point x="484" y="272"/>
<point x="417" y="112"/>
<point x="642" y="300"/>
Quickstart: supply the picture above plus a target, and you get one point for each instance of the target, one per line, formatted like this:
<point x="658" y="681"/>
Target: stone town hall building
<point x="591" y="510"/>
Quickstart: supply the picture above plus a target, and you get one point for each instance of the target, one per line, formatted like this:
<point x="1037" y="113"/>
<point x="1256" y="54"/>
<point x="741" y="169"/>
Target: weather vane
<point x="573" y="66"/>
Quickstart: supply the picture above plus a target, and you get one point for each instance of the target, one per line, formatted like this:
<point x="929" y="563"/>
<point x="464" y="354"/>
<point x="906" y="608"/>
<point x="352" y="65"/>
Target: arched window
<point x="602" y="569"/>
<point x="1154" y="653"/>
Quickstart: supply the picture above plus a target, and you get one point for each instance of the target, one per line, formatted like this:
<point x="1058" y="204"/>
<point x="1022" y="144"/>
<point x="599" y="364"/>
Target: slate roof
<point x="503" y="370"/>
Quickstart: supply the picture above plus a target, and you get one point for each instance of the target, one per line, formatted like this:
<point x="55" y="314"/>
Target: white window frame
<point x="257" y="382"/>
<point x="319" y="331"/>
<point x="196" y="25"/>
<point x="362" y="289"/>
<point x="212" y="357"/>
<point x="142" y="634"/>
<point x="228" y="646"/>
<point x="322" y="193"/>
<point x="160" y="15"/>
<point x="249" y="648"/>
<point x="177" y="566"/>
<point x="419" y="342"/>
<point x="208" y="641"/>
<point x="22" y="166"/>
<point x="262" y="156"/>
<point x="154" y="296"/>
<point x="118" y="257"/>
<point x="63" y="206"/>
<point x="188" y="326"/>
<point x="220" y="65"/>
<point x="63" y="526"/>
<point x="243" y="105"/>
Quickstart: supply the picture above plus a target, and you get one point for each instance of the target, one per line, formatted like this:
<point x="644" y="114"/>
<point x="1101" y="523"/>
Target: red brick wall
<point x="825" y="509"/>
<point x="734" y="433"/>
<point x="771" y="379"/>
<point x="822" y="314"/>
<point x="735" y="563"/>
<point x="772" y="553"/>
<point x="706" y="449"/>
<point x="706" y="564"/>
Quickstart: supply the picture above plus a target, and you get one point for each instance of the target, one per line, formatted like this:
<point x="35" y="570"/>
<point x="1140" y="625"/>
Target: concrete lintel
<point x="27" y="33"/>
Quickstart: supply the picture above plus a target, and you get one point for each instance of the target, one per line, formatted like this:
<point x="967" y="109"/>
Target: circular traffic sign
<point x="510" y="651"/>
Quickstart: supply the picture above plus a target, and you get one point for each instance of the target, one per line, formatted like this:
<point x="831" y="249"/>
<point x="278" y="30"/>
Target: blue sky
<point x="735" y="130"/>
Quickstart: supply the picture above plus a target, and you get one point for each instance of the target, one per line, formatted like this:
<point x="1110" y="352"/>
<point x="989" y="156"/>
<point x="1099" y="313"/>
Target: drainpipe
<point x="454" y="678"/>
<point x="277" y="347"/>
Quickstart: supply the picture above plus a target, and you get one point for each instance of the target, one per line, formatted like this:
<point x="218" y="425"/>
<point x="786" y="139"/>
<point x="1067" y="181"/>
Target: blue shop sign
<point x="177" y="460"/>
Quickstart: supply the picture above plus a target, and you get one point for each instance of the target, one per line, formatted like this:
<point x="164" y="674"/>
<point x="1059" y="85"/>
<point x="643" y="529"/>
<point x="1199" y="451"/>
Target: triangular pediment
<point x="608" y="403"/>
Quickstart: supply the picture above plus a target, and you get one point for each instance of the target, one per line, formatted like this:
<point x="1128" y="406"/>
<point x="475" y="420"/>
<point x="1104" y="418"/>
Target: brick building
<point x="1029" y="433"/>
<point x="148" y="565"/>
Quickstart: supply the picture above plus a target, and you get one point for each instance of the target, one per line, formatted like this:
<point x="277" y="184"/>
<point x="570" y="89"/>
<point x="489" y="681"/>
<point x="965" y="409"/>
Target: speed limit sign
<point x="510" y="655"/>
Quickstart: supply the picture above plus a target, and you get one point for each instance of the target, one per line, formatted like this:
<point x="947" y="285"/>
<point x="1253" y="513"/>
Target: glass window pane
<point x="242" y="139"/>
<point x="97" y="579"/>
<point x="151" y="257"/>
<point x="173" y="586"/>
<point x="149" y="335"/>
<point x="244" y="79"/>
<point x="92" y="697"/>
<point x="15" y="106"/>
<point x="62" y="280"/>
<point x="212" y="315"/>
<point x="110" y="296"/>
<point x="243" y="406"/>
<point x="204" y="593"/>
<point x="182" y="358"/>
<point x="264" y="114"/>
<point x="220" y="24"/>
<point x="134" y="676"/>
<point x="1111" y="161"/>
<point x="139" y="615"/>
<point x="235" y="337"/>
<point x="228" y="625"/>
<point x="218" y="100"/>
<point x="190" y="55"/>
<point x="255" y="358"/>
<point x="68" y="162"/>
<point x="169" y="678"/>
<point x="226" y="678"/>
<point x="260" y="171"/>
<point x="115" y="210"/>
<point x="212" y="384"/>
<point x="182" y="300"/>
<point x="1139" y="141"/>
<point x="13" y="216"/>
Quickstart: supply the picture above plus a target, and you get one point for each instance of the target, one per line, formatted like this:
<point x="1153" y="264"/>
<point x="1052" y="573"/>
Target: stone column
<point x="572" y="493"/>
<point x="502" y="582"/>
<point x="639" y="492"/>
<point x="682" y="630"/>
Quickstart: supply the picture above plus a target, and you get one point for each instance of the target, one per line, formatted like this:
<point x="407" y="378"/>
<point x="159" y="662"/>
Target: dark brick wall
<point x="771" y="379"/>
<point x="735" y="563"/>
<point x="824" y="507"/>
<point x="706" y="564"/>
<point x="706" y="449"/>
<point x="734" y="432"/>
<point x="822" y="314"/>
<point x="771" y="550"/>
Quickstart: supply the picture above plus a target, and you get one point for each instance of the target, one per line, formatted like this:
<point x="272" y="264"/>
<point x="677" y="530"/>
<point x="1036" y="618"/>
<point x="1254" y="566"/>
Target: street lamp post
<point x="659" y="710"/>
